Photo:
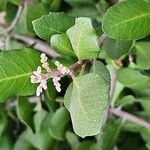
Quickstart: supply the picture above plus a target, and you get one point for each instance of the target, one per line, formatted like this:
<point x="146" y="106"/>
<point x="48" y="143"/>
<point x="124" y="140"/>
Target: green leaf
<point x="145" y="103"/>
<point x="16" y="67"/>
<point x="116" y="48"/>
<point x="142" y="55"/>
<point x="42" y="140"/>
<point x="3" y="119"/>
<point x="127" y="20"/>
<point x="23" y="142"/>
<point x="148" y="145"/>
<point x="83" y="39"/>
<point x="5" y="143"/>
<point x="30" y="141"/>
<point x="11" y="11"/>
<point x="3" y="4"/>
<point x="84" y="11"/>
<point x="58" y="124"/>
<point x="85" y="145"/>
<point x="135" y="80"/>
<point x="102" y="6"/>
<point x="110" y="135"/>
<point x="61" y="43"/>
<point x="49" y="96"/>
<point x="54" y="5"/>
<point x="145" y="133"/>
<point x="21" y="27"/>
<point x="24" y="112"/>
<point x="126" y="100"/>
<point x="34" y="13"/>
<point x="131" y="127"/>
<point x="79" y="2"/>
<point x="53" y="23"/>
<point x="87" y="103"/>
<point x="100" y="68"/>
<point x="13" y="44"/>
<point x="16" y="2"/>
<point x="72" y="139"/>
<point x="39" y="117"/>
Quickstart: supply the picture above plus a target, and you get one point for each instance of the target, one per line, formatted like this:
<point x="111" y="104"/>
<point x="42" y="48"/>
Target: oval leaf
<point x="127" y="20"/>
<point x="61" y="43"/>
<point x="53" y="23"/>
<point x="135" y="80"/>
<point x="100" y="68"/>
<point x="142" y="55"/>
<point x="16" y="67"/>
<point x="116" y="48"/>
<point x="58" y="123"/>
<point x="24" y="112"/>
<point x="87" y="103"/>
<point x="83" y="39"/>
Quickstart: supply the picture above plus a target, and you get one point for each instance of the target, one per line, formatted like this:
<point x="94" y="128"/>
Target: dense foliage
<point x="91" y="91"/>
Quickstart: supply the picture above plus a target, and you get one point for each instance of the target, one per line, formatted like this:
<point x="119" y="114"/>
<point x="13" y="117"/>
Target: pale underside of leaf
<point x="87" y="102"/>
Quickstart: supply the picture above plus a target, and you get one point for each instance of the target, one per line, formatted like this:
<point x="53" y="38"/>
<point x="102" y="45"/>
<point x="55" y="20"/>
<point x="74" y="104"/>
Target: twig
<point x="16" y="19"/>
<point x="102" y="39"/>
<point x="38" y="44"/>
<point x="73" y="68"/>
<point x="113" y="1"/>
<point x="130" y="117"/>
<point x="113" y="83"/>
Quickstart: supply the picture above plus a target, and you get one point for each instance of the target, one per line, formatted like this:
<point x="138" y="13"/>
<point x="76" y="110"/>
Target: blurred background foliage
<point x="36" y="123"/>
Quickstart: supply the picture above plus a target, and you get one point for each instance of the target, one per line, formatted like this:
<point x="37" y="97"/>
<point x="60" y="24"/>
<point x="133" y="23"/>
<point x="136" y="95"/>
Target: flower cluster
<point x="63" y="70"/>
<point x="41" y="78"/>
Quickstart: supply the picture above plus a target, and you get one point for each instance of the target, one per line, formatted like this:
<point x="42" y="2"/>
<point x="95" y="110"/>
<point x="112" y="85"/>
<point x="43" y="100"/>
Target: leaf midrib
<point x="49" y="29"/>
<point x="15" y="77"/>
<point x="131" y="19"/>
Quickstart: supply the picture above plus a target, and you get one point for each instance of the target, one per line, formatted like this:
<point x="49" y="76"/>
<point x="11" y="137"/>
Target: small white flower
<point x="38" y="71"/>
<point x="46" y="66"/>
<point x="43" y="58"/>
<point x="39" y="90"/>
<point x="44" y="84"/>
<point x="58" y="88"/>
<point x="64" y="70"/>
<point x="41" y="78"/>
<point x="44" y="62"/>
<point x="56" y="83"/>
<point x="38" y="77"/>
<point x="34" y="79"/>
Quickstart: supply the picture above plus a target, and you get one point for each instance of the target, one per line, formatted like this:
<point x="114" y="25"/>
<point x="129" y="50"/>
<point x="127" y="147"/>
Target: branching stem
<point x="129" y="117"/>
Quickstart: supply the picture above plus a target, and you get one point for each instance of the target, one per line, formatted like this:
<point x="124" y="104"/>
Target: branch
<point x="73" y="68"/>
<point x="38" y="44"/>
<point x="130" y="117"/>
<point x="15" y="21"/>
<point x="113" y="83"/>
<point x="113" y="1"/>
<point x="102" y="39"/>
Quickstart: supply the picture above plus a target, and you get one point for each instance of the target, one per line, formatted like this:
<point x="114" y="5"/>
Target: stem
<point x="113" y="83"/>
<point x="129" y="117"/>
<point x="38" y="44"/>
<point x="73" y="68"/>
<point x="101" y="39"/>
<point x="113" y="1"/>
<point x="15" y="21"/>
